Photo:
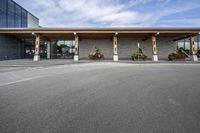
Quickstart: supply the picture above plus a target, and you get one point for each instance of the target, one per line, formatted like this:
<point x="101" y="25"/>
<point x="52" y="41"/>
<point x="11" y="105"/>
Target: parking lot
<point x="100" y="97"/>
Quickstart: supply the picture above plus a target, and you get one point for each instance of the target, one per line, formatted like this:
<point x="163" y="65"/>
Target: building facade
<point x="21" y="37"/>
<point x="13" y="15"/>
<point x="115" y="43"/>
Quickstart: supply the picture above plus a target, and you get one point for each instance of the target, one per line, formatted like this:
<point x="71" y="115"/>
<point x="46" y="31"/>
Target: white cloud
<point x="104" y="12"/>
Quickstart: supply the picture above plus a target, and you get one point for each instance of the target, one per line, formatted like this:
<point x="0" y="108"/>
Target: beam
<point x="180" y="38"/>
<point x="99" y="30"/>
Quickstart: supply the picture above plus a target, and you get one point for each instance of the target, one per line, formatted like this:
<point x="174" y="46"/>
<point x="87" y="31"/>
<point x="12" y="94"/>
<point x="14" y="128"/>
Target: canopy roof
<point x="100" y="32"/>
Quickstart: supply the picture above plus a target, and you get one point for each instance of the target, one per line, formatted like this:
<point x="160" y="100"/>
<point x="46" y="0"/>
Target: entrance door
<point x="29" y="51"/>
<point x="63" y="49"/>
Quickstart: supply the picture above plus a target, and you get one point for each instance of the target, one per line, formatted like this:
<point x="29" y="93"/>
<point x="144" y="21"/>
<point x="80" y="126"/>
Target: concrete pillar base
<point x="76" y="58"/>
<point x="36" y="58"/>
<point x="115" y="58"/>
<point x="194" y="58"/>
<point x="155" y="58"/>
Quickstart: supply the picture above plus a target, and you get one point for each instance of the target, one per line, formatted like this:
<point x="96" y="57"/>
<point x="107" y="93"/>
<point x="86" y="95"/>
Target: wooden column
<point x="193" y="49"/>
<point x="115" y="49"/>
<point x="37" y="48"/>
<point x="76" y="56"/>
<point x="154" y="49"/>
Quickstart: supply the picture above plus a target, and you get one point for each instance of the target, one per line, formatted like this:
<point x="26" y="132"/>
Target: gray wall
<point x="165" y="47"/>
<point x="10" y="48"/>
<point x="87" y="45"/>
<point x="126" y="46"/>
<point x="33" y="22"/>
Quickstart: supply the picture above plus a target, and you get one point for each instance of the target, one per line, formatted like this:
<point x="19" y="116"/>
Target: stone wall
<point x="165" y="46"/>
<point x="126" y="46"/>
<point x="87" y="45"/>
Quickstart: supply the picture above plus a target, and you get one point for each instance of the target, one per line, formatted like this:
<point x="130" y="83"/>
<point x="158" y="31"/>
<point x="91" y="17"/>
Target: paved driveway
<point x="101" y="98"/>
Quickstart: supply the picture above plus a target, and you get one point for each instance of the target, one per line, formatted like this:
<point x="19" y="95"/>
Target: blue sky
<point x="111" y="13"/>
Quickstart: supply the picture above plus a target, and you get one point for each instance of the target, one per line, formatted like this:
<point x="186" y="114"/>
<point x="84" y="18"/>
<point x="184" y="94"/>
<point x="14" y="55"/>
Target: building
<point x="13" y="15"/>
<point x="32" y="41"/>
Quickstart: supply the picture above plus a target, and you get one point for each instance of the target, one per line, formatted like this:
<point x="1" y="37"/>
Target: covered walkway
<point x="152" y="38"/>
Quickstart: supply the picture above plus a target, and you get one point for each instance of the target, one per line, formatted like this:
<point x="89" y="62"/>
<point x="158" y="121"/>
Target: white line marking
<point x="18" y="81"/>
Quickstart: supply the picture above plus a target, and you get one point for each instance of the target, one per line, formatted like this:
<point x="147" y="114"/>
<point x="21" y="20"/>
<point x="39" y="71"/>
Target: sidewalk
<point x="53" y="62"/>
<point x="31" y="63"/>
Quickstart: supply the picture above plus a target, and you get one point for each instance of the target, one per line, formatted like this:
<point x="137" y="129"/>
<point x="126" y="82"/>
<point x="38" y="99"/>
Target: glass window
<point x="3" y="5"/>
<point x="3" y="19"/>
<point x="24" y="18"/>
<point x="11" y="12"/>
<point x="181" y="44"/>
<point x="198" y="42"/>
<point x="3" y="22"/>
<point x="62" y="49"/>
<point x="187" y="45"/>
<point x="18" y="16"/>
<point x="184" y="44"/>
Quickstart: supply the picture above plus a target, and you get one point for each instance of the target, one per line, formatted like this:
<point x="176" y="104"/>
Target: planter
<point x="139" y="54"/>
<point x="140" y="58"/>
<point x="176" y="57"/>
<point x="96" y="55"/>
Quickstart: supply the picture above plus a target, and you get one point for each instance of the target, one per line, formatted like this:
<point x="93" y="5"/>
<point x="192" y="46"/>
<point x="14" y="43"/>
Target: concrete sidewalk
<point x="53" y="62"/>
<point x="22" y="64"/>
<point x="31" y="63"/>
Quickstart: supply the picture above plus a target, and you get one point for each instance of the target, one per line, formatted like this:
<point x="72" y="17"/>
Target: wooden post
<point x="154" y="49"/>
<point x="37" y="48"/>
<point x="76" y="56"/>
<point x="193" y="49"/>
<point x="115" y="49"/>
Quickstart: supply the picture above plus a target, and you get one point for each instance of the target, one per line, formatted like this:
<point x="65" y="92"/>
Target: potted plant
<point x="179" y="54"/>
<point x="139" y="54"/>
<point x="96" y="55"/>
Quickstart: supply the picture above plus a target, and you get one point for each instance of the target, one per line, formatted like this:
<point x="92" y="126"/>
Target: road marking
<point x="18" y="81"/>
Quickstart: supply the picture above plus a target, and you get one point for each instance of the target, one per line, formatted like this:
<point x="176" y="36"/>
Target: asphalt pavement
<point x="101" y="97"/>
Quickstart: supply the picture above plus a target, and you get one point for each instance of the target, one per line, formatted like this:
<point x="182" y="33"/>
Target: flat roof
<point x="106" y="29"/>
<point x="102" y="32"/>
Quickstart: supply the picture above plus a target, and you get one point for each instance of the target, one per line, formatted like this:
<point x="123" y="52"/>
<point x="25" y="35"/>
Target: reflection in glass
<point x="62" y="49"/>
